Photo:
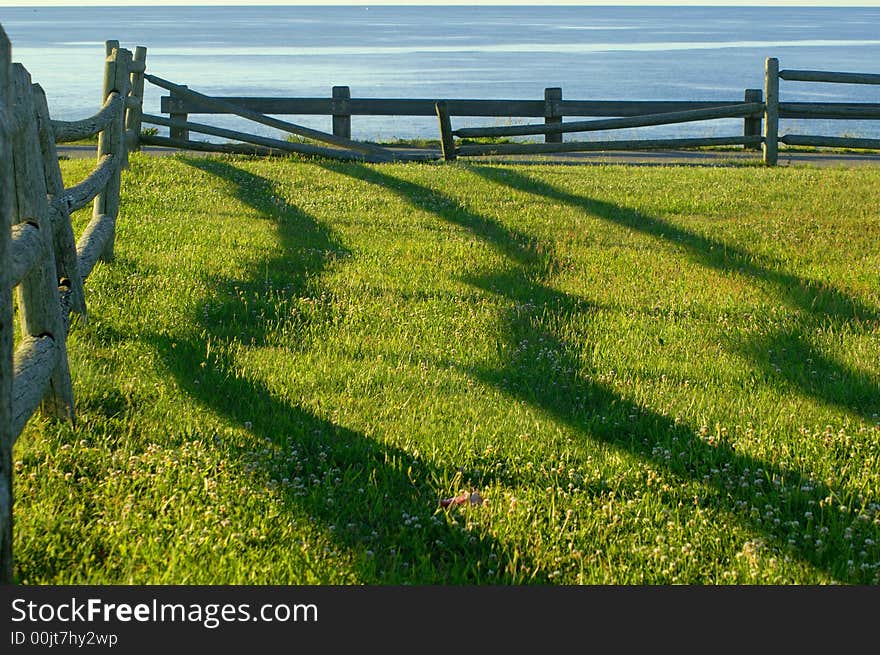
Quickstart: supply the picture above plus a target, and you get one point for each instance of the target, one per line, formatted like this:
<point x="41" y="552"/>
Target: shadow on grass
<point x="369" y="496"/>
<point x="799" y="363"/>
<point x="777" y="506"/>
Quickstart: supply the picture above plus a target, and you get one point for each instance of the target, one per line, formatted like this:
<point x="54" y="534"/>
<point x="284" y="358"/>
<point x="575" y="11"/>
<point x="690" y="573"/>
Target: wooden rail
<point x="44" y="266"/>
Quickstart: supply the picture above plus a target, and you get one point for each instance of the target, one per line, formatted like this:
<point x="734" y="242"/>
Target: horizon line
<point x="38" y="4"/>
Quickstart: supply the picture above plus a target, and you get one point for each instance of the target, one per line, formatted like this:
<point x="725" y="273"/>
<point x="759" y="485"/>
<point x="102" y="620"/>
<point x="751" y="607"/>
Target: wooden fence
<point x="760" y="111"/>
<point x="776" y="110"/>
<point x="43" y="264"/>
<point x="182" y="102"/>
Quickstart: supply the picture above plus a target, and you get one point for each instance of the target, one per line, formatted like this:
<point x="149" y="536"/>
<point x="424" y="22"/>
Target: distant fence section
<point x="776" y="110"/>
<point x="341" y="107"/>
<point x="44" y="265"/>
<point x="759" y="109"/>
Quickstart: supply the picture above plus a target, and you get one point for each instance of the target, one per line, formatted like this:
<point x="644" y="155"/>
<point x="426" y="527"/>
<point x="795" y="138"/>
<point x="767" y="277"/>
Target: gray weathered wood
<point x="6" y="316"/>
<point x="67" y="131"/>
<point x="24" y="251"/>
<point x="292" y="128"/>
<point x="752" y="123"/>
<point x="112" y="140"/>
<point x="177" y="114"/>
<point x="93" y="242"/>
<point x="834" y="110"/>
<point x="828" y="76"/>
<point x="425" y="106"/>
<point x="35" y="360"/>
<point x="39" y="306"/>
<point x="123" y="86"/>
<point x="624" y="108"/>
<point x="135" y="101"/>
<point x="592" y="146"/>
<point x="208" y="146"/>
<point x="830" y="142"/>
<point x="253" y="149"/>
<point x="62" y="229"/>
<point x="771" y="111"/>
<point x="269" y="142"/>
<point x="552" y="115"/>
<point x="357" y="106"/>
<point x="732" y="111"/>
<point x="447" y="142"/>
<point x="79" y="195"/>
<point x="341" y="95"/>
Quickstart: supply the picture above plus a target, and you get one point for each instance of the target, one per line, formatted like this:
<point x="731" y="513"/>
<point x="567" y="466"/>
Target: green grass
<point x="652" y="376"/>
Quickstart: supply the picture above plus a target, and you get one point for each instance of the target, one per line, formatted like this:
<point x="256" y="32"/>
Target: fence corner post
<point x="552" y="96"/>
<point x="447" y="142"/>
<point x="340" y="106"/>
<point x="771" y="111"/>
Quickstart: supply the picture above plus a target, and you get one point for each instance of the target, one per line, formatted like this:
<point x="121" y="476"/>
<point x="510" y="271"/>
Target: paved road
<point x="648" y="158"/>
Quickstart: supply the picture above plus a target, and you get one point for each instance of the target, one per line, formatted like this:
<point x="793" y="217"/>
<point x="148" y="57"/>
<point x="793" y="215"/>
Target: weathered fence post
<point x="135" y="102"/>
<point x="751" y="124"/>
<point x="447" y="141"/>
<point x="552" y="96"/>
<point x="62" y="229"/>
<point x="178" y="116"/>
<point x="341" y="107"/>
<point x="6" y="328"/>
<point x="771" y="111"/>
<point x="112" y="142"/>
<point x="39" y="300"/>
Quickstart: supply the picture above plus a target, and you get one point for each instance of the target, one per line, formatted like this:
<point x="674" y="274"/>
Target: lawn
<point x="648" y="375"/>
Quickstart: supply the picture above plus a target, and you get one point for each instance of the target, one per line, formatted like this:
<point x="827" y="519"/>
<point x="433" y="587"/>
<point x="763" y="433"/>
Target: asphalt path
<point x="632" y="158"/>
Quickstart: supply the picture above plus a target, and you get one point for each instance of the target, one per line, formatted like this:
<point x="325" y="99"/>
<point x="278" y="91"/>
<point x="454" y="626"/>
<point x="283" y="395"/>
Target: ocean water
<point x="595" y="53"/>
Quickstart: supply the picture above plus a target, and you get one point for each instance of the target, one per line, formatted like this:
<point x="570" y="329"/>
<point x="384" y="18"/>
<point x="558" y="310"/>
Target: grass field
<point x="650" y="375"/>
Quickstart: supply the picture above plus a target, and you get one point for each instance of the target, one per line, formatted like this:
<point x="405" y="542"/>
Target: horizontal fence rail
<point x="830" y="141"/>
<point x="826" y="76"/>
<point x="67" y="131"/>
<point x="829" y="110"/>
<point x="425" y="106"/>
<point x="43" y="264"/>
<point x="752" y="109"/>
<point x="596" y="146"/>
<point x="268" y="142"/>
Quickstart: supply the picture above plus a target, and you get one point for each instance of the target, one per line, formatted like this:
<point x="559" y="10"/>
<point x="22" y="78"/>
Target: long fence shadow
<point x="798" y="362"/>
<point x="785" y="506"/>
<point x="369" y="496"/>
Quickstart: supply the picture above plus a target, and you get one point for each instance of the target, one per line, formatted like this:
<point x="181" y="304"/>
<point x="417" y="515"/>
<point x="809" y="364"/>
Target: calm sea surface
<point x="602" y="53"/>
